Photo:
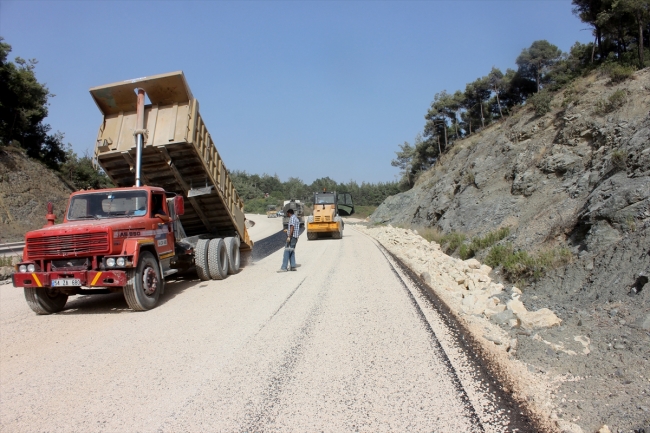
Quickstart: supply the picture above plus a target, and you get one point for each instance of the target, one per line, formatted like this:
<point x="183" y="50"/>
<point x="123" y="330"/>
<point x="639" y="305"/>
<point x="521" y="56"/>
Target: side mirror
<point x="179" y="205"/>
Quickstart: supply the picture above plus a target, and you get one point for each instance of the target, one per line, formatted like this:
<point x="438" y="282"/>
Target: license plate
<point x="66" y="282"/>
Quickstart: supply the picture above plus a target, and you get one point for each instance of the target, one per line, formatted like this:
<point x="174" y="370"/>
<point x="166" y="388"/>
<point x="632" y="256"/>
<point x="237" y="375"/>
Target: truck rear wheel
<point x="201" y="259"/>
<point x="144" y="283"/>
<point x="218" y="259"/>
<point x="45" y="301"/>
<point x="234" y="259"/>
<point x="312" y="235"/>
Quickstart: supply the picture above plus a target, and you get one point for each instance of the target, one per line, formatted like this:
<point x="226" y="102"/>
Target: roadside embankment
<point x="549" y="365"/>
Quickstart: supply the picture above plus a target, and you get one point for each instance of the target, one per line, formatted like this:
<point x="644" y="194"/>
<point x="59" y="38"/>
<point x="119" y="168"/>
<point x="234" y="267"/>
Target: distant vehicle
<point x="326" y="219"/>
<point x="298" y="209"/>
<point x="271" y="211"/>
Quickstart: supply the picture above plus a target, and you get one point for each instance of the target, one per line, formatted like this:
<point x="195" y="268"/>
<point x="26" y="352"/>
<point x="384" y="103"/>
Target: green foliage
<point x="479" y="243"/>
<point x="522" y="266"/>
<point x="81" y="172"/>
<point x="258" y="205"/>
<point x="23" y="107"/>
<point x="257" y="191"/>
<point x="541" y="102"/>
<point x="618" y="27"/>
<point x="404" y="162"/>
<point x="451" y="241"/>
<point x="618" y="73"/>
<point x="534" y="62"/>
<point x="613" y="102"/>
<point x="498" y="254"/>
<point x="363" y="211"/>
<point x="617" y="99"/>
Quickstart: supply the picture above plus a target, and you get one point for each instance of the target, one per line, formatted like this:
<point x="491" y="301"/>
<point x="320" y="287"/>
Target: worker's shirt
<point x="293" y="221"/>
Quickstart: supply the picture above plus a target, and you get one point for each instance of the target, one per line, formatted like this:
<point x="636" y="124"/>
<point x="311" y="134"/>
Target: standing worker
<point x="293" y="231"/>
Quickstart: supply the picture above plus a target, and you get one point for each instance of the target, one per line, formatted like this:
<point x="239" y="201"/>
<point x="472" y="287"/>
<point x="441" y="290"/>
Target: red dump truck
<point x="174" y="206"/>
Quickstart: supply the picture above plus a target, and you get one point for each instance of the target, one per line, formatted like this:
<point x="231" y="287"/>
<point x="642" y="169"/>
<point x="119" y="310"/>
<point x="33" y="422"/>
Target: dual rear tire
<point x="217" y="258"/>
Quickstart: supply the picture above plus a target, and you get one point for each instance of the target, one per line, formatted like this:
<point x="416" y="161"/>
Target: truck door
<point x="163" y="231"/>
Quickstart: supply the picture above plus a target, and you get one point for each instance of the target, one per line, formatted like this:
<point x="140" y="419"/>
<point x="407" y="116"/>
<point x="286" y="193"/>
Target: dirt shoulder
<point x="570" y="370"/>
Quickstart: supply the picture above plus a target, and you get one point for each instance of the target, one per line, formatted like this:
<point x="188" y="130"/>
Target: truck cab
<point x="113" y="239"/>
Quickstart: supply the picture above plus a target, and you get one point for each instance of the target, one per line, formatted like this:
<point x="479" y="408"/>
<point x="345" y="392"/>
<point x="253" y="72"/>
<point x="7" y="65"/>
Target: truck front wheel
<point x="143" y="284"/>
<point x="45" y="301"/>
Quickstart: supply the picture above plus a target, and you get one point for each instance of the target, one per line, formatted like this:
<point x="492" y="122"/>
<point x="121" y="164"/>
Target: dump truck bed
<point x="178" y="155"/>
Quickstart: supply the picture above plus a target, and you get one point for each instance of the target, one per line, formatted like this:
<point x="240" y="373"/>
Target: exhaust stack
<point x="139" y="136"/>
<point x="50" y="217"/>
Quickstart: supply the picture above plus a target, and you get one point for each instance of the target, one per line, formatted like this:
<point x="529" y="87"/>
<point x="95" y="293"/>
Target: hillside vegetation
<point x="559" y="204"/>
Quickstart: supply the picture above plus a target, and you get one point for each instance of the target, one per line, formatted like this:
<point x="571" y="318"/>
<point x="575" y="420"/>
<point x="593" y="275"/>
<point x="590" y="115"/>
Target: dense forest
<point x="258" y="192"/>
<point x="621" y="29"/>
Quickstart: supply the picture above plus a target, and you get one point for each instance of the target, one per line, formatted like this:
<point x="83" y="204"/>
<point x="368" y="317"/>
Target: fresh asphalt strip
<point x="267" y="246"/>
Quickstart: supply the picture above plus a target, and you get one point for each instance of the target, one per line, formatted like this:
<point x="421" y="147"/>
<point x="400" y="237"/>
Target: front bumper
<point x="87" y="278"/>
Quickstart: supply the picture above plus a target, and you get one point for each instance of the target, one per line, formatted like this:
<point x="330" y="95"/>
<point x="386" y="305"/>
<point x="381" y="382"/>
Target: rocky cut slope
<point x="26" y="186"/>
<point x="576" y="178"/>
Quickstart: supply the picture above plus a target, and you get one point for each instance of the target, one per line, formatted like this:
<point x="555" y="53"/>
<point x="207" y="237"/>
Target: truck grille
<point x="68" y="245"/>
<point x="323" y="219"/>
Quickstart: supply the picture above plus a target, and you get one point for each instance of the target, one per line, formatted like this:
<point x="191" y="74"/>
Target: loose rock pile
<point x="466" y="282"/>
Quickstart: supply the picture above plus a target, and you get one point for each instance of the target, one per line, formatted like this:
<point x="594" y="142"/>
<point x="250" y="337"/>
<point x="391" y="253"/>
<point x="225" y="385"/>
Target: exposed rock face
<point x="26" y="186"/>
<point x="576" y="178"/>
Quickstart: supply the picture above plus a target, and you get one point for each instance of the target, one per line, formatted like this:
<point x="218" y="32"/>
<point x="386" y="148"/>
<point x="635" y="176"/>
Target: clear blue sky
<point x="295" y="88"/>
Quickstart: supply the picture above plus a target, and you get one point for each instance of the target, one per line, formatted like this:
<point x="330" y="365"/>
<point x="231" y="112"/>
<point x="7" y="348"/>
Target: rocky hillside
<point x="576" y="179"/>
<point x="26" y="186"/>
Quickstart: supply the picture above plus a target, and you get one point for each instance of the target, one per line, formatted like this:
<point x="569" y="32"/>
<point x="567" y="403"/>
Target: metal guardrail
<point x="12" y="249"/>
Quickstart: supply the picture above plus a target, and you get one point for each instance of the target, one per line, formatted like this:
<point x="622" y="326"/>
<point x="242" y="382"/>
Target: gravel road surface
<point x="345" y="343"/>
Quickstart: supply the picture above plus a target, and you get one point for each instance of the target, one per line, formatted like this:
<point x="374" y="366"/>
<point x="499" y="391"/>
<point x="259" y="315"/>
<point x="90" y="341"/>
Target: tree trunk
<point x="593" y="51"/>
<point x="482" y="119"/>
<point x="439" y="151"/>
<point x="641" y="63"/>
<point x="599" y="38"/>
<point x="496" y="93"/>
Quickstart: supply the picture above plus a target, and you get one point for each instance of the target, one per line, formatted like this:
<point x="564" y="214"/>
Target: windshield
<point x="109" y="204"/>
<point x="324" y="198"/>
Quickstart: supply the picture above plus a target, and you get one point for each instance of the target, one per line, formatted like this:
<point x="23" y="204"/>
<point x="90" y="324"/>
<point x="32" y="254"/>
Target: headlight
<point x="22" y="268"/>
<point x="31" y="268"/>
<point x="110" y="262"/>
<point x="120" y="261"/>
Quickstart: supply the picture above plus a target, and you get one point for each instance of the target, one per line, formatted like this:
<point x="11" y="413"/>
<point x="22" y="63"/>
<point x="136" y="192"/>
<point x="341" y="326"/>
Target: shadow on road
<point x="114" y="303"/>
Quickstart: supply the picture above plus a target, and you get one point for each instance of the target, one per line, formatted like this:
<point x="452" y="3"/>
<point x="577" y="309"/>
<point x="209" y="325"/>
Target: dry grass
<point x="7" y="260"/>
